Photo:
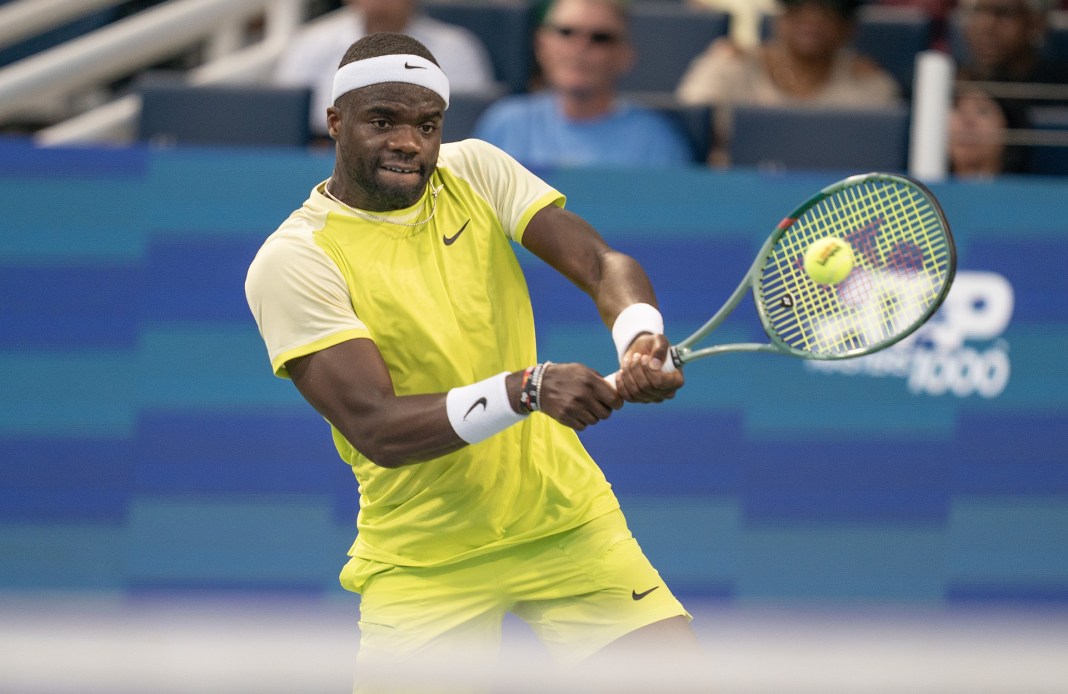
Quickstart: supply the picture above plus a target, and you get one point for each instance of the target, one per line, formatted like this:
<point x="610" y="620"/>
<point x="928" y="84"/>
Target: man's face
<point x="812" y="29"/>
<point x="583" y="47"/>
<point x="999" y="31"/>
<point x="388" y="136"/>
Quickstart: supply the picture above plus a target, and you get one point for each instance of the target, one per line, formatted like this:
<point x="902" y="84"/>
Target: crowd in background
<point x="787" y="53"/>
<point x="575" y="113"/>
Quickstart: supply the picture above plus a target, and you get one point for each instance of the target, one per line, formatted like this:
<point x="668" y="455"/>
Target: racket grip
<point x="668" y="367"/>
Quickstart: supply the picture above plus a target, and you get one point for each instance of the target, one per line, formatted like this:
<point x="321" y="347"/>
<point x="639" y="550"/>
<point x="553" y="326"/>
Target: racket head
<point x="904" y="264"/>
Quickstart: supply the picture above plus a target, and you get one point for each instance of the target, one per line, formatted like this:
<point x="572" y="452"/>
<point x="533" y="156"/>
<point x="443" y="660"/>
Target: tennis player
<point x="394" y="301"/>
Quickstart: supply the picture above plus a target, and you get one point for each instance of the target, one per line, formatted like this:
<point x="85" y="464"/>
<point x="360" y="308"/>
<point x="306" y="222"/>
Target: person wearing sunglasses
<point x="578" y="118"/>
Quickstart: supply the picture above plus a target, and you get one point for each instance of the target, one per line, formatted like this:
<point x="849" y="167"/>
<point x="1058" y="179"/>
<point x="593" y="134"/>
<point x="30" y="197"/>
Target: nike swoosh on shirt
<point x="449" y="240"/>
<point x="480" y="401"/>
<point x="638" y="596"/>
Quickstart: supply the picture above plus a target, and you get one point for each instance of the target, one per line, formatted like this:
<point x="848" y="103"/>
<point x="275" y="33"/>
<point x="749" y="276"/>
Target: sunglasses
<point x="597" y="38"/>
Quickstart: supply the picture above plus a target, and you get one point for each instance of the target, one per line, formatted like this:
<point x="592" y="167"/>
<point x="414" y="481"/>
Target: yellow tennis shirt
<point x="446" y="303"/>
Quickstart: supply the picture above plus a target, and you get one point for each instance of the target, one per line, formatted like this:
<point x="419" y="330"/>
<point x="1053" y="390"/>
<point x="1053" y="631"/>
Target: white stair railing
<point x="26" y="18"/>
<point x="116" y="121"/>
<point x="133" y="44"/>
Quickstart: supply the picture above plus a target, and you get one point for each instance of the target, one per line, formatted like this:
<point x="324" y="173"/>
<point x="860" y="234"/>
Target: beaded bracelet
<point x="530" y="390"/>
<point x="527" y="392"/>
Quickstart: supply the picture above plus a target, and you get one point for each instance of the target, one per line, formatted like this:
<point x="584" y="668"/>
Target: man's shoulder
<point x="725" y="51"/>
<point x="862" y="67"/>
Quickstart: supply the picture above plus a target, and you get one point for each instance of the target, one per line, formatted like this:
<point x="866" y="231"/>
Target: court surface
<point x="94" y="644"/>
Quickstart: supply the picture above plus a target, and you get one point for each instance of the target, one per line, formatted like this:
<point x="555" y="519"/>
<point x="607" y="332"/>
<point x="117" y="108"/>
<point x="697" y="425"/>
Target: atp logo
<point x="959" y="352"/>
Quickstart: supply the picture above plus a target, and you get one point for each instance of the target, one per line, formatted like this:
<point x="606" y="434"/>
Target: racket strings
<point x="902" y="264"/>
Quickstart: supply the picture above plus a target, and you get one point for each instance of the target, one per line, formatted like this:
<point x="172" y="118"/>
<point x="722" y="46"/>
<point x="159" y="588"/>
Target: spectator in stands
<point x="1004" y="42"/>
<point x="806" y="61"/>
<point x="978" y="125"/>
<point x="313" y="57"/>
<point x="578" y="118"/>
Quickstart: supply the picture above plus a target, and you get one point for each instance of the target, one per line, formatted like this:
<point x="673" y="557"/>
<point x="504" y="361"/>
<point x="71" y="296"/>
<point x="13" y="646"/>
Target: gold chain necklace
<point x="433" y="208"/>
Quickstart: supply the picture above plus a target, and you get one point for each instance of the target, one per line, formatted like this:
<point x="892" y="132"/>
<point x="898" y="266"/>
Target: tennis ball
<point x="829" y="260"/>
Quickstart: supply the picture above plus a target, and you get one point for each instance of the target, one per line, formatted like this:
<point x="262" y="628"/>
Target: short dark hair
<point x="386" y="43"/>
<point x="846" y="8"/>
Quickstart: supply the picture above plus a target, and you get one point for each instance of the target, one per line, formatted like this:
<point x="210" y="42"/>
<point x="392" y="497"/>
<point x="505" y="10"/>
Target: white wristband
<point x="482" y="409"/>
<point x="633" y="321"/>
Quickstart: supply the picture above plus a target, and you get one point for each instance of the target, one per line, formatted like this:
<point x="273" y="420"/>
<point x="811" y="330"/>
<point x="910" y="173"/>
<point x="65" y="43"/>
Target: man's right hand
<point x="576" y="395"/>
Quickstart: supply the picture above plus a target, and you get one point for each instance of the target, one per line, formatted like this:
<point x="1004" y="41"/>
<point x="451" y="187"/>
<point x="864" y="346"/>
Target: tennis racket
<point x="904" y="261"/>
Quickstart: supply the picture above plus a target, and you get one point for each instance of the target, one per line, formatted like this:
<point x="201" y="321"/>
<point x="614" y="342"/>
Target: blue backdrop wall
<point x="145" y="445"/>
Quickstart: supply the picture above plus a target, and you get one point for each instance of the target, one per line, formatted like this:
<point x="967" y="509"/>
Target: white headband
<point x="391" y="68"/>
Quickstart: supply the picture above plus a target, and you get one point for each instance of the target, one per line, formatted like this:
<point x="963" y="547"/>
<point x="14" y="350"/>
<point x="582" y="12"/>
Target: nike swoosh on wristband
<point x="638" y="596"/>
<point x="483" y="402"/>
<point x="414" y="67"/>
<point x="449" y="240"/>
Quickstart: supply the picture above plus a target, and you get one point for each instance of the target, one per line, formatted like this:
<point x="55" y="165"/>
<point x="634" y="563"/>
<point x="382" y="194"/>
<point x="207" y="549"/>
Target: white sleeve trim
<point x="297" y="294"/>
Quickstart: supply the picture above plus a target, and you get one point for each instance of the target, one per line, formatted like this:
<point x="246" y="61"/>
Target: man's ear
<point x="333" y="121"/>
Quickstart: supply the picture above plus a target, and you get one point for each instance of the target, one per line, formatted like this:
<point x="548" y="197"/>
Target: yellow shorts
<point x="578" y="590"/>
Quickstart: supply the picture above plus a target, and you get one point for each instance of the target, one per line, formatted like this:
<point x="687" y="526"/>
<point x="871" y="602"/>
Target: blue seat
<point x="1057" y="37"/>
<point x="667" y="37"/>
<point x="1049" y="160"/>
<point x="176" y="113"/>
<point x="464" y="111"/>
<point x="505" y="27"/>
<point x="817" y="138"/>
<point x="892" y="36"/>
<point x="693" y="120"/>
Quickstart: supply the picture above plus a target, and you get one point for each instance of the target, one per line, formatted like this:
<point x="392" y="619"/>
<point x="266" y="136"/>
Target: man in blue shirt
<point x="579" y="120"/>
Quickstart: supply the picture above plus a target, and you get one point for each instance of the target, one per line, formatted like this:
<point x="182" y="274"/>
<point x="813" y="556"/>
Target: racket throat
<point x="676" y="358"/>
